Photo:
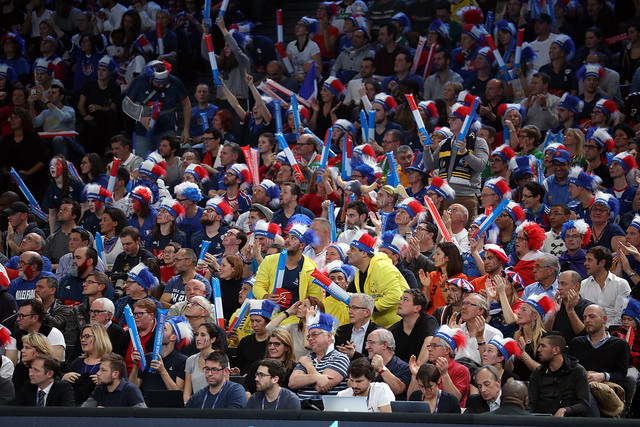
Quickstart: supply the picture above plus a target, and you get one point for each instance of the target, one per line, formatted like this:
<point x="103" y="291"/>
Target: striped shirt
<point x="335" y="360"/>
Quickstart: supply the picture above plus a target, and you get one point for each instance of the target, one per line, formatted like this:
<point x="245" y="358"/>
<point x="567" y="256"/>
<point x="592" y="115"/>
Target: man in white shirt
<point x="603" y="287"/>
<point x="459" y="216"/>
<point x="379" y="395"/>
<point x="110" y="16"/>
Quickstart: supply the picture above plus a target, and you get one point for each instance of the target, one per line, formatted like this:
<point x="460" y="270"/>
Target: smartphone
<point x="34" y="92"/>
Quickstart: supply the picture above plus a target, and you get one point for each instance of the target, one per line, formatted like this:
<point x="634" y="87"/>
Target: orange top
<point x="435" y="295"/>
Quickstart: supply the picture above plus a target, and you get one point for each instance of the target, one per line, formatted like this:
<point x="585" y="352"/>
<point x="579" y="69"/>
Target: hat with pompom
<point x="141" y="274"/>
<point x="96" y="192"/>
<point x="173" y="207"/>
<point x="455" y="338"/>
<point x="188" y="190"/>
<point x="222" y="208"/>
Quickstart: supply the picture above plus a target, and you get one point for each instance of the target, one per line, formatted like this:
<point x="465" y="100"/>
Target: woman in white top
<point x="207" y="341"/>
<point x="111" y="224"/>
<point x="303" y="49"/>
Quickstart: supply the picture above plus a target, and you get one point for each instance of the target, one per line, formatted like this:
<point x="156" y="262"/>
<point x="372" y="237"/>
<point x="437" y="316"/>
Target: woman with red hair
<point x="529" y="239"/>
<point x="223" y="121"/>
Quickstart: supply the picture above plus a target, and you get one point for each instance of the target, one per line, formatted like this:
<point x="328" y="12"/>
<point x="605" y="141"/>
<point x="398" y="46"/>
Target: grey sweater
<point x="234" y="79"/>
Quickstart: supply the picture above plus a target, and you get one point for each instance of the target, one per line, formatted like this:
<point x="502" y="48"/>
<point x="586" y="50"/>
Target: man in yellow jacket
<point x="378" y="277"/>
<point x="297" y="283"/>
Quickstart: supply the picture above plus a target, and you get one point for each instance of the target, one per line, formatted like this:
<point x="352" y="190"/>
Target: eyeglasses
<point x="274" y="344"/>
<point x="22" y="315"/>
<point x="96" y="312"/>
<point x="208" y="138"/>
<point x="139" y="314"/>
<point x="192" y="303"/>
<point x="469" y="304"/>
<point x="434" y="346"/>
<point x="521" y="239"/>
<point x="181" y="200"/>
<point x="86" y="336"/>
<point x="357" y="176"/>
<point x="209" y="370"/>
<point x="355" y="307"/>
<point x="314" y="334"/>
<point x="91" y="282"/>
<point x="130" y="282"/>
<point x="591" y="147"/>
<point x="371" y="342"/>
<point x="261" y="375"/>
<point x="180" y="259"/>
<point x="22" y="263"/>
<point x="230" y="233"/>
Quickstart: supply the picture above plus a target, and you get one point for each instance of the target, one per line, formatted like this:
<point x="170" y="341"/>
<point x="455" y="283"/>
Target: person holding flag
<point x="297" y="281"/>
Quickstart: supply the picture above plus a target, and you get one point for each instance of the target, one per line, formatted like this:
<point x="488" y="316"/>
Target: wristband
<point x="383" y="370"/>
<point x="286" y="314"/>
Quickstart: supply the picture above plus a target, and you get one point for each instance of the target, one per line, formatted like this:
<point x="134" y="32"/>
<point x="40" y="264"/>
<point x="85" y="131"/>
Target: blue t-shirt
<point x="626" y="199"/>
<point x="215" y="248"/>
<point x="556" y="193"/>
<point x="90" y="222"/>
<point x="21" y="289"/>
<point x="291" y="281"/>
<point x="13" y="263"/>
<point x="147" y="224"/>
<point x="195" y="126"/>
<point x="156" y="244"/>
<point x="53" y="196"/>
<point x="231" y="396"/>
<point x="189" y="226"/>
<point x="170" y="96"/>
<point x="175" y="287"/>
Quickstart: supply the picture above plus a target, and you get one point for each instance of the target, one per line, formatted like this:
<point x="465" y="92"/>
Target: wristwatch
<point x="383" y="370"/>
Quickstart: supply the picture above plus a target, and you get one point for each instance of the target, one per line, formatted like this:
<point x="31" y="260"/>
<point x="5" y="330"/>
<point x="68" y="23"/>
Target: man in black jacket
<point x="559" y="386"/>
<point x="488" y="380"/>
<point x="515" y="399"/>
<point x="44" y="388"/>
<point x="351" y="338"/>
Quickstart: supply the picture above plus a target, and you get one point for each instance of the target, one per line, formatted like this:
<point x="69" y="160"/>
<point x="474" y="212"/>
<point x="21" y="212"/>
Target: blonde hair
<point x="39" y="342"/>
<point x="577" y="133"/>
<point x="289" y="355"/>
<point x="536" y="329"/>
<point x="102" y="343"/>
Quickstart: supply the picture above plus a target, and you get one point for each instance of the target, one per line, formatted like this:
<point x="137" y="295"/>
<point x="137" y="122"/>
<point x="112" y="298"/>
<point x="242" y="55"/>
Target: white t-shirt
<point x="6" y="371"/>
<point x="380" y="394"/>
<point x="298" y="59"/>
<point x="542" y="51"/>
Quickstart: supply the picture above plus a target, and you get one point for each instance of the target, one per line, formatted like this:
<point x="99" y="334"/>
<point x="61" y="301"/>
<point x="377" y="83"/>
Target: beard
<point x="206" y="221"/>
<point x="227" y="63"/>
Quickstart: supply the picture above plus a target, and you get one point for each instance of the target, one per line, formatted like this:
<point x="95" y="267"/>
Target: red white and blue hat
<point x="602" y="138"/>
<point x="198" y="172"/>
<point x="505" y="152"/>
<point x="439" y="27"/>
<point x="335" y="86"/>
<point x="522" y="166"/>
<point x="267" y="229"/>
<point x="173" y="207"/>
<point x="503" y="108"/>
<point x="516" y="212"/>
<point x="412" y="207"/>
<point x="582" y="179"/>
<point x="590" y="70"/>
<point x="487" y="53"/>
<point x="142" y="194"/>
<point x="141" y="274"/>
<point x="271" y="188"/>
<point x="96" y="192"/>
<point x="455" y="338"/>
<point x="571" y="103"/>
<point x="463" y="284"/>
<point x="465" y="98"/>
<point x="365" y="150"/>
<point x="566" y="44"/>
<point x="418" y="164"/>
<point x="442" y="188"/>
<point x="608" y="200"/>
<point x="515" y="279"/>
<point x="323" y="321"/>
<point x="394" y="242"/>
<point x="460" y="111"/>
<point x="263" y="307"/>
<point x="303" y="233"/>
<point x="472" y="31"/>
<point x="445" y="131"/>
<point x="554" y="146"/>
<point x="45" y="65"/>
<point x="345" y="126"/>
<point x="341" y="248"/>
<point x="311" y="24"/>
<point x="242" y="171"/>
<point x="497" y="251"/>
<point x="188" y="190"/>
<point x="157" y="158"/>
<point x="583" y="229"/>
<point x="387" y="102"/>
<point x="500" y="187"/>
<point x="507" y="346"/>
<point x="542" y="304"/>
<point x="222" y="208"/>
<point x="403" y="20"/>
<point x="429" y="108"/>
<point x="626" y="160"/>
<point x="365" y="242"/>
<point x="608" y="107"/>
<point x="181" y="329"/>
<point x="151" y="169"/>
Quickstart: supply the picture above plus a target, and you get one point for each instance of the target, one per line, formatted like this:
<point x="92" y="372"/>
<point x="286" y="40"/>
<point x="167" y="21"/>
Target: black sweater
<point x="612" y="357"/>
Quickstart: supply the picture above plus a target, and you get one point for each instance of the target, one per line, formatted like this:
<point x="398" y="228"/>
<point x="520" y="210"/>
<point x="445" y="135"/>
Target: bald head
<point x="598" y="309"/>
<point x="516" y="393"/>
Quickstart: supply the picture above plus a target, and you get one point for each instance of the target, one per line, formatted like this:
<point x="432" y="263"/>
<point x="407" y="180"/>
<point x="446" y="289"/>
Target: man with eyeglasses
<point x="473" y="318"/>
<point x="307" y="154"/>
<point x="19" y="227"/>
<point x="389" y="368"/>
<point x="351" y="338"/>
<point x="31" y="242"/>
<point x="101" y="312"/>
<point x="598" y="143"/>
<point x="144" y="316"/>
<point x="230" y="153"/>
<point x="71" y="286"/>
<point x="58" y="315"/>
<point x="30" y="267"/>
<point x="94" y="286"/>
<point x="219" y="393"/>
<point x="324" y="371"/>
<point x="32" y="317"/>
<point x="211" y="161"/>
<point x="136" y="288"/>
<point x="185" y="265"/>
<point x="269" y="391"/>
<point x="559" y="214"/>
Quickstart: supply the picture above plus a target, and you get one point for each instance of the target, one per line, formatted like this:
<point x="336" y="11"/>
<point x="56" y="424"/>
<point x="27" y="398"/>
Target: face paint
<point x="55" y="167"/>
